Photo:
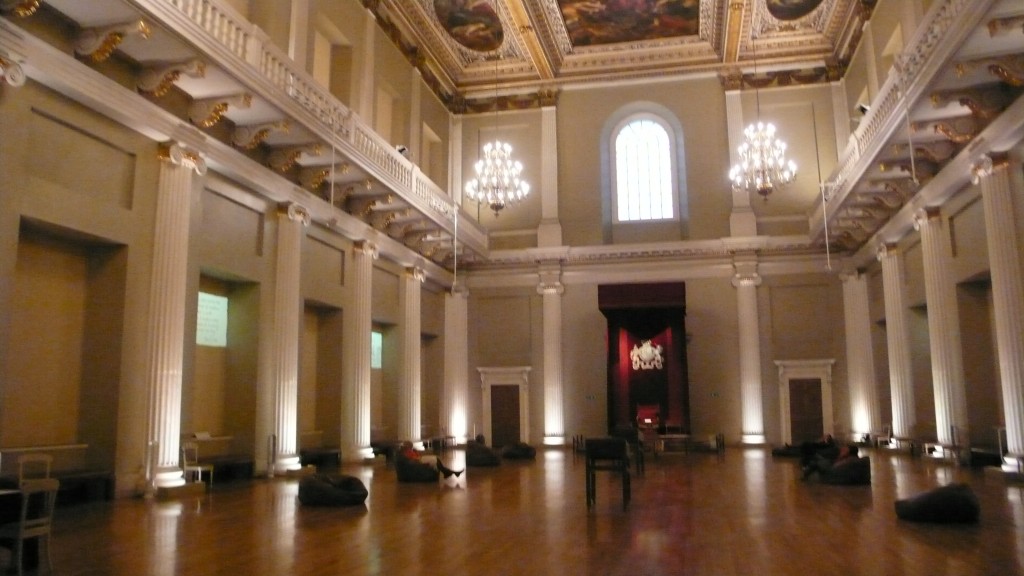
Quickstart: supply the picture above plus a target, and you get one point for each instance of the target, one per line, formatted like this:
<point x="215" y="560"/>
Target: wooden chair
<point x="34" y="466"/>
<point x="191" y="466"/>
<point x="38" y="498"/>
<point x="609" y="454"/>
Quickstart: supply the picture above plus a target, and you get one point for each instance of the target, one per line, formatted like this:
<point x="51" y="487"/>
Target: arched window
<point x="644" y="176"/>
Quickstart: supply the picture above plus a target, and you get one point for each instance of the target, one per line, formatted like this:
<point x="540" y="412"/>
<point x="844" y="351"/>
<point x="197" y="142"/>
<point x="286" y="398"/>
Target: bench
<point x="216" y="451"/>
<point x="313" y="452"/>
<point x="79" y="482"/>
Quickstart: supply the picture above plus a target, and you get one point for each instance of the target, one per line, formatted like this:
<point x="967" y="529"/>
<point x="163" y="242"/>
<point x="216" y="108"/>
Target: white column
<point x="298" y="32"/>
<point x="291" y="221"/>
<point x="167" y="295"/>
<point x="358" y="325"/>
<point x="860" y="362"/>
<point x="455" y="407"/>
<point x="897" y="333"/>
<point x="943" y="325"/>
<point x="551" y="290"/>
<point x="746" y="280"/>
<point x="549" y="233"/>
<point x="1007" y="298"/>
<point x="415" y="142"/>
<point x="409" y="391"/>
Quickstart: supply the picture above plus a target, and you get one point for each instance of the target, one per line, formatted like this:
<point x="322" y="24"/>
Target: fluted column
<point x="358" y="326"/>
<point x="167" y="295"/>
<point x="409" y="392"/>
<point x="455" y="405"/>
<point x="943" y="325"/>
<point x="551" y="290"/>
<point x="860" y="362"/>
<point x="897" y="334"/>
<point x="746" y="280"/>
<point x="292" y="219"/>
<point x="1007" y="297"/>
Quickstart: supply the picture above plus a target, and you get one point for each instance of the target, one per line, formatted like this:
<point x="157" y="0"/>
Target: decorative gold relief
<point x="984" y="102"/>
<point x="250" y="137"/>
<point x="207" y="112"/>
<point x="99" y="43"/>
<point x="157" y="82"/>
<point x="20" y="8"/>
<point x="284" y="159"/>
<point x="1007" y="25"/>
<point x="1008" y="68"/>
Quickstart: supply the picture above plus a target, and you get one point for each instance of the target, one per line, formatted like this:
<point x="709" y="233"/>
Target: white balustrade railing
<point x="906" y="82"/>
<point x="239" y="40"/>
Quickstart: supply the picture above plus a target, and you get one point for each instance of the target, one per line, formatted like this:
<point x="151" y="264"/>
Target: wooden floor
<point x="741" y="513"/>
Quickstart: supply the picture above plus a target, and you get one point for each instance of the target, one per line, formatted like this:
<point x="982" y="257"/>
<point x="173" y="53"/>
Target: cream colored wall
<point x="521" y="129"/>
<point x="42" y="391"/>
<point x="699" y="106"/>
<point x="50" y="149"/>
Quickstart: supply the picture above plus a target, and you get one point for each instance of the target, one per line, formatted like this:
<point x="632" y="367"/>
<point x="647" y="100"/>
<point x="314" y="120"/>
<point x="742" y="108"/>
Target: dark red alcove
<point x="638" y="313"/>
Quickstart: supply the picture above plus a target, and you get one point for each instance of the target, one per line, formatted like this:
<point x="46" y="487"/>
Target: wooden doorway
<point x="805" y="399"/>
<point x="806" y="421"/>
<point x="504" y="415"/>
<point x="506" y="401"/>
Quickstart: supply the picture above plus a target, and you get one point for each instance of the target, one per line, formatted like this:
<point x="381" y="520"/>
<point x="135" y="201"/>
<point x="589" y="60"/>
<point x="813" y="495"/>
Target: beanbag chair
<point x="410" y="470"/>
<point x="848" y="472"/>
<point x="480" y="455"/>
<point x="952" y="504"/>
<point x="330" y="490"/>
<point x="519" y="451"/>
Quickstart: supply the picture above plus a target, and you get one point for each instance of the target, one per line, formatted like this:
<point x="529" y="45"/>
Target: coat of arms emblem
<point x="646" y="356"/>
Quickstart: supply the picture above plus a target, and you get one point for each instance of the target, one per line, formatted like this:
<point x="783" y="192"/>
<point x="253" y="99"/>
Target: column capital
<point x="926" y="215"/>
<point x="851" y="275"/>
<point x="550" y="280"/>
<point x="180" y="156"/>
<point x="416" y="273"/>
<point x="367" y="248"/>
<point x="295" y="212"/>
<point x="11" y="72"/>
<point x="745" y="274"/>
<point x="887" y="250"/>
<point x="987" y="164"/>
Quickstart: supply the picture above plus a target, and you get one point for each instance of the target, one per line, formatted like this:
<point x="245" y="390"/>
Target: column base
<point x="285" y="463"/>
<point x="1013" y="466"/>
<point x="554" y="440"/>
<point x="169" y="478"/>
<point x="753" y="439"/>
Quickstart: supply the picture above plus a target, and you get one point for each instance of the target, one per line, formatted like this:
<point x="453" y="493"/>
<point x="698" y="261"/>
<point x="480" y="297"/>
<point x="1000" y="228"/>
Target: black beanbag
<point x="848" y="472"/>
<point x="478" y="455"/>
<point x="952" y="504"/>
<point x="519" y="451"/>
<point x="410" y="470"/>
<point x="328" y="490"/>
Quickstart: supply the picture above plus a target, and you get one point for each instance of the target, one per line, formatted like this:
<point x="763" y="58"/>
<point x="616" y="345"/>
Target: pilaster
<point x="292" y="219"/>
<point x="409" y="420"/>
<point x="551" y="289"/>
<point x="897" y="333"/>
<point x="455" y="404"/>
<point x="943" y="325"/>
<point x="860" y="363"/>
<point x="1007" y="297"/>
<point x="355" y="388"/>
<point x="746" y="280"/>
<point x="166" y="331"/>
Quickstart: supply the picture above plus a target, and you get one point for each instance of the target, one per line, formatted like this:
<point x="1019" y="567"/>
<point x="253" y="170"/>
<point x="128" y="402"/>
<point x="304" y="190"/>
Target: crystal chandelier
<point x="497" y="181"/>
<point x="763" y="166"/>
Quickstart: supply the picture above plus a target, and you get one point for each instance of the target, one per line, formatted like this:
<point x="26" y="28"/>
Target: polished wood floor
<point x="741" y="513"/>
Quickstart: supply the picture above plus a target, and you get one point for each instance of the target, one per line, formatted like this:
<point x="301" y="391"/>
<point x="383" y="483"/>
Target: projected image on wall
<point x="376" y="345"/>
<point x="212" y="320"/>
